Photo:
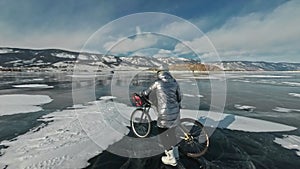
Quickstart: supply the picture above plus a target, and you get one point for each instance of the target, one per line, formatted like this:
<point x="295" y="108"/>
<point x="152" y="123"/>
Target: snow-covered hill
<point x="260" y="66"/>
<point x="15" y="59"/>
<point x="56" y="59"/>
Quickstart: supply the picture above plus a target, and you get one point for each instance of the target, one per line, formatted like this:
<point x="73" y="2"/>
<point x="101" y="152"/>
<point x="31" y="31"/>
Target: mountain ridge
<point x="22" y="59"/>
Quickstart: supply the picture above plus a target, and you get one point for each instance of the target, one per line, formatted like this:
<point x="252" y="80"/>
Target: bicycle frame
<point x="146" y="110"/>
<point x="189" y="137"/>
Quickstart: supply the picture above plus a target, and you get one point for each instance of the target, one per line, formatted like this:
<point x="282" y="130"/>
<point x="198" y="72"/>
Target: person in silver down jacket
<point x="168" y="97"/>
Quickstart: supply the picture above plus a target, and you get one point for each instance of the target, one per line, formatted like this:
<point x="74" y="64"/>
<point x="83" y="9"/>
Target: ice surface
<point x="291" y="142"/>
<point x="42" y="86"/>
<point x="265" y="81"/>
<point x="64" y="144"/>
<point x="255" y="76"/>
<point x="266" y="76"/>
<point x="292" y="83"/>
<point x="19" y="103"/>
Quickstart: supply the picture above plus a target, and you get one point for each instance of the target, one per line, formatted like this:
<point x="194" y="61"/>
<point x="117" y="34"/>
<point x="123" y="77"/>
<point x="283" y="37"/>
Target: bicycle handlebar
<point x="144" y="99"/>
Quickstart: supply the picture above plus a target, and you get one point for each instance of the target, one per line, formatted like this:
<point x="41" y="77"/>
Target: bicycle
<point x="194" y="138"/>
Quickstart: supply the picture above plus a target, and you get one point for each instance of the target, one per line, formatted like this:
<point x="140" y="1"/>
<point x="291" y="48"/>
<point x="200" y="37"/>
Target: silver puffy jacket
<point x="168" y="99"/>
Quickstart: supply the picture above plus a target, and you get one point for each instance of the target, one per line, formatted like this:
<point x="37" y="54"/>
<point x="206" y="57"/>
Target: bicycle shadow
<point x="222" y="124"/>
<point x="112" y="161"/>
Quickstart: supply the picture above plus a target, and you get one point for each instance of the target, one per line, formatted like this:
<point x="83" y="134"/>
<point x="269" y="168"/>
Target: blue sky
<point x="255" y="30"/>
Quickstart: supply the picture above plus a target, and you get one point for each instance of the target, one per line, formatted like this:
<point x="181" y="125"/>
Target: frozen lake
<point x="42" y="125"/>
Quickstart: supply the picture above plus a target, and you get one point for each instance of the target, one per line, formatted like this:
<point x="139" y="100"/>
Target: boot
<point x="170" y="158"/>
<point x="176" y="152"/>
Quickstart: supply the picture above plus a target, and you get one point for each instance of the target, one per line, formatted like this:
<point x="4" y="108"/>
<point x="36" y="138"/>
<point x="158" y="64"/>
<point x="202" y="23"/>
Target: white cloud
<point x="60" y="39"/>
<point x="164" y="53"/>
<point x="275" y="33"/>
<point x="181" y="30"/>
<point x="199" y="45"/>
<point x="225" y="55"/>
<point x="154" y="52"/>
<point x="145" y="52"/>
<point x="131" y="44"/>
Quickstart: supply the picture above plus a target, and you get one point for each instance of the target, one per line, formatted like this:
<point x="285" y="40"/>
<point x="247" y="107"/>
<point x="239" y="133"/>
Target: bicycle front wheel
<point x="194" y="139"/>
<point x="140" y="123"/>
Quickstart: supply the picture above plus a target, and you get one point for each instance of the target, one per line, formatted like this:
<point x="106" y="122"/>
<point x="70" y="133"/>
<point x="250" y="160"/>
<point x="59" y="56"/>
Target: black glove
<point x="142" y="93"/>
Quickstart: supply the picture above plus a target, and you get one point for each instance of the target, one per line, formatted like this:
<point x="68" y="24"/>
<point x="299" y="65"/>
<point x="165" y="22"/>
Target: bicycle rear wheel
<point x="140" y="123"/>
<point x="195" y="140"/>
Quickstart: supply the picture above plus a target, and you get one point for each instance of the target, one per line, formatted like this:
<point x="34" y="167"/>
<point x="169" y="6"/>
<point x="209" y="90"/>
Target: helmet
<point x="164" y="74"/>
<point x="163" y="67"/>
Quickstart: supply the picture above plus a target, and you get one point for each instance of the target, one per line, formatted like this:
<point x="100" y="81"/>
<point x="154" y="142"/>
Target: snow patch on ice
<point x="285" y="110"/>
<point x="244" y="107"/>
<point x="252" y="125"/>
<point x="37" y="79"/>
<point x="192" y="95"/>
<point x="77" y="106"/>
<point x="239" y="80"/>
<point x="290" y="142"/>
<point x="83" y="76"/>
<point x="41" y="86"/>
<point x="2" y="51"/>
<point x="295" y="94"/>
<point x="18" y="103"/>
<point x="107" y="97"/>
<point x="234" y="122"/>
<point x="63" y="143"/>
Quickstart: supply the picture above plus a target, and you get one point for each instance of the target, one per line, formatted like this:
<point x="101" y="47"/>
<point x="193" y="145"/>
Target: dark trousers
<point x="167" y="137"/>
